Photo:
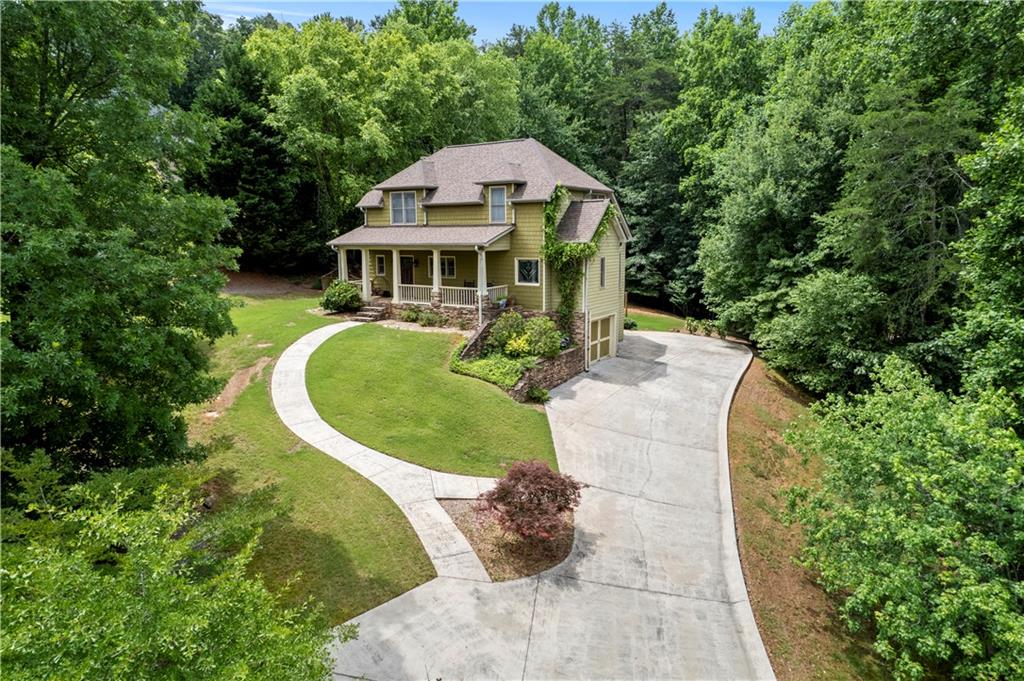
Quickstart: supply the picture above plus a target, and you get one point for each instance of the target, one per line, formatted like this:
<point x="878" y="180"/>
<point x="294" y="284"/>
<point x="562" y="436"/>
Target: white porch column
<point x="343" y="264"/>
<point x="396" y="275"/>
<point x="481" y="283"/>
<point x="367" y="294"/>
<point x="436" y="290"/>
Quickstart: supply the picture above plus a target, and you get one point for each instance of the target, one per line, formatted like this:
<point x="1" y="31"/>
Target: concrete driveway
<point x="652" y="588"/>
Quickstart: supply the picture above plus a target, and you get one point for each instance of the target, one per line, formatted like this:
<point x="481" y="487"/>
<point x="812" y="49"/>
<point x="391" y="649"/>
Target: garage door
<point x="601" y="338"/>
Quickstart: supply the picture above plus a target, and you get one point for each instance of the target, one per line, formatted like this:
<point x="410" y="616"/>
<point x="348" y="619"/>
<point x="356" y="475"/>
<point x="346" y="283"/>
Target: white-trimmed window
<point x="447" y="267"/>
<point x="604" y="270"/>
<point x="382" y="270"/>
<point x="527" y="272"/>
<point x="497" y="199"/>
<point x="403" y="208"/>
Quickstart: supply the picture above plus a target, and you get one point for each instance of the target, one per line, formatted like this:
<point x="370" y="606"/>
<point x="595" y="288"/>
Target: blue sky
<point x="492" y="19"/>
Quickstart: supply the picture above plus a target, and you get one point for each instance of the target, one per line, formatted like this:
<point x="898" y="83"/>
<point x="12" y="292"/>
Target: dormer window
<point x="497" y="204"/>
<point x="403" y="208"/>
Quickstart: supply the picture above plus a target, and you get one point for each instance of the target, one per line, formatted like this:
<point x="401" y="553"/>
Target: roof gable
<point x="581" y="219"/>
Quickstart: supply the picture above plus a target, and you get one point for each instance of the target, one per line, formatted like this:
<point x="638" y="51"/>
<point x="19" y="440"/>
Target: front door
<point x="407" y="265"/>
<point x="601" y="338"/>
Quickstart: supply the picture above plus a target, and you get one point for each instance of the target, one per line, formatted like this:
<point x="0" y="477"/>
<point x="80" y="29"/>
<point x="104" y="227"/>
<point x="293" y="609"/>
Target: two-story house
<point x="464" y="227"/>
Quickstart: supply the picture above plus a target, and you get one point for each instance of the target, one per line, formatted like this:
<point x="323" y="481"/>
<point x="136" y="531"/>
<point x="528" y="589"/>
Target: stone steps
<point x="370" y="313"/>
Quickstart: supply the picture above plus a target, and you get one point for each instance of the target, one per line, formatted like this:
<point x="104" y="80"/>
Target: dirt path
<point x="235" y="385"/>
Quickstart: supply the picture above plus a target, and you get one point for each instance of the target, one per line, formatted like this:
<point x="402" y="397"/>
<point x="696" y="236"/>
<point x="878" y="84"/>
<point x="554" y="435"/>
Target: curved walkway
<point x="652" y="588"/>
<point x="415" y="489"/>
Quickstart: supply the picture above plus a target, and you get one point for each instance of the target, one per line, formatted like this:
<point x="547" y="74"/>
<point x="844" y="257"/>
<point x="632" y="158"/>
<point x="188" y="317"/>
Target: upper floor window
<point x="403" y="208"/>
<point x="604" y="271"/>
<point x="497" y="204"/>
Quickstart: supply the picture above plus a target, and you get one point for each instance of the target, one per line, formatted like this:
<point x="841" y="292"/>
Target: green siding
<point x="524" y="242"/>
<point x="606" y="300"/>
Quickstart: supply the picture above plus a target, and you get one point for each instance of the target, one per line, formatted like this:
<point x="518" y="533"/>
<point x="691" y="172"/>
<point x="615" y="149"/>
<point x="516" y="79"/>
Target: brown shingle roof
<point x="455" y="175"/>
<point x="581" y="219"/>
<point x="420" y="175"/>
<point x="422" y="235"/>
<point x="371" y="199"/>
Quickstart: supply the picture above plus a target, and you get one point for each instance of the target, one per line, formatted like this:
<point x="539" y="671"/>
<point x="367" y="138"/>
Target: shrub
<point x="409" y="315"/>
<point x="543" y="336"/>
<point x="506" y="327"/>
<point x="629" y="323"/>
<point x="531" y="500"/>
<point x="518" y="346"/>
<point x="538" y="394"/>
<point x="341" y="296"/>
<point x="430" y="318"/>
<point x="494" y="368"/>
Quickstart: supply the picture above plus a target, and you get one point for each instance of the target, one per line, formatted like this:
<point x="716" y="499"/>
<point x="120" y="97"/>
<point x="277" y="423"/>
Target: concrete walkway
<point x="415" y="489"/>
<point x="652" y="588"/>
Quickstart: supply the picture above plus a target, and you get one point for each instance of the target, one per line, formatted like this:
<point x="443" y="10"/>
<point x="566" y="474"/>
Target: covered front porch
<point x="447" y="277"/>
<point x="427" y="265"/>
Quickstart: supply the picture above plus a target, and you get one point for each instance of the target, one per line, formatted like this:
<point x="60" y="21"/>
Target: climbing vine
<point x="566" y="258"/>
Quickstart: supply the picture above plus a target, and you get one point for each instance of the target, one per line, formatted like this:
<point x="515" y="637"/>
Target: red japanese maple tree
<point x="531" y="500"/>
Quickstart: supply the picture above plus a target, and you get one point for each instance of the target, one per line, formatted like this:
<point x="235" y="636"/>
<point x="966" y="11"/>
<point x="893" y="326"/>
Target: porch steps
<point x="370" y="313"/>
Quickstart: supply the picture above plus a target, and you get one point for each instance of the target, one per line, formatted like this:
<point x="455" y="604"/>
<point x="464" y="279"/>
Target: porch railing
<point x="496" y="293"/>
<point x="458" y="296"/>
<point x="451" y="296"/>
<point x="413" y="293"/>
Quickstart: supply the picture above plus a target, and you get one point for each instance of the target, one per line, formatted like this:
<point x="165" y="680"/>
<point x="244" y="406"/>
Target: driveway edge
<point x="736" y="585"/>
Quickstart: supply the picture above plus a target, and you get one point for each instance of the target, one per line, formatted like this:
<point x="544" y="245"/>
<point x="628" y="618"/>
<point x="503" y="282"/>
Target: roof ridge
<point x="480" y="144"/>
<point x="544" y="159"/>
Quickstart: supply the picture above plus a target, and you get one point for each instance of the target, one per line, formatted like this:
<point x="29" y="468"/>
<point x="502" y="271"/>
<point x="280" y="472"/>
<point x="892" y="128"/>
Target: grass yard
<point x="266" y="326"/>
<point x="798" y="622"/>
<point x="647" y="321"/>
<point x="350" y="544"/>
<point x="392" y="390"/>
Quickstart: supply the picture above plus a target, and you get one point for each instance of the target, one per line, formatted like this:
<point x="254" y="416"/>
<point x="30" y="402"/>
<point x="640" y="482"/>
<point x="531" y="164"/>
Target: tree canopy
<point x="112" y="266"/>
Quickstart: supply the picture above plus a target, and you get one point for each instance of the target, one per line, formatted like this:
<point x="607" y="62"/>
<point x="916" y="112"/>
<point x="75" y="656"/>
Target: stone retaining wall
<point x="548" y="373"/>
<point x="461" y="317"/>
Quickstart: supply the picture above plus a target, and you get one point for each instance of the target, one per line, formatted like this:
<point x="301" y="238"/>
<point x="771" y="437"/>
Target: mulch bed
<point x="507" y="556"/>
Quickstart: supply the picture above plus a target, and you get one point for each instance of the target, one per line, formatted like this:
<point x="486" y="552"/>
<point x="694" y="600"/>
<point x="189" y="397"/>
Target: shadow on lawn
<point x="300" y="563"/>
<point x="296" y="562"/>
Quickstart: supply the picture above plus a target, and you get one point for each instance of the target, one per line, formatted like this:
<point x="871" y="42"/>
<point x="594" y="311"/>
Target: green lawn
<point x="266" y="326"/>
<point x="350" y="543"/>
<point x="655" y="322"/>
<point x="392" y="390"/>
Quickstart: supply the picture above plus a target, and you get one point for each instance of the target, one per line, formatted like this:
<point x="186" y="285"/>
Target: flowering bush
<point x="518" y="346"/>
<point x="506" y="327"/>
